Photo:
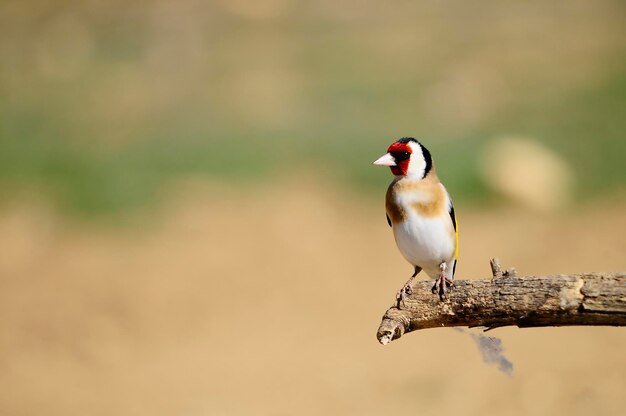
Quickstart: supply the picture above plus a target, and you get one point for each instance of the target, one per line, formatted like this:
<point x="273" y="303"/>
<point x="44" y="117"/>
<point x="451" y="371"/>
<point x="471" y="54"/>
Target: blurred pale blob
<point x="528" y="172"/>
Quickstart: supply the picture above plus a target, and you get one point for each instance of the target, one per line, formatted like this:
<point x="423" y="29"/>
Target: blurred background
<point x="190" y="223"/>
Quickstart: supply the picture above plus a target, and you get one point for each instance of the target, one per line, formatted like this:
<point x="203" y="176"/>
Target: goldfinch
<point x="420" y="212"/>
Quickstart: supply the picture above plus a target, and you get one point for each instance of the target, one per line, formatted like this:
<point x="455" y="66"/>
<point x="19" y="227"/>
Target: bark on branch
<point x="530" y="301"/>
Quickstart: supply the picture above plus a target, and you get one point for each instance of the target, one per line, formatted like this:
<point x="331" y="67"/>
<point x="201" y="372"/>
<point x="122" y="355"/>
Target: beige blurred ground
<point x="266" y="302"/>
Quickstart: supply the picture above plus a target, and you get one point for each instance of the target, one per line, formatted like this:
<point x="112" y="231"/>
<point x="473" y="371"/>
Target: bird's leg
<point x="442" y="283"/>
<point x="407" y="289"/>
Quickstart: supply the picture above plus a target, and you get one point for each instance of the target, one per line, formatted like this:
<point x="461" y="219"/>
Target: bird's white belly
<point x="425" y="242"/>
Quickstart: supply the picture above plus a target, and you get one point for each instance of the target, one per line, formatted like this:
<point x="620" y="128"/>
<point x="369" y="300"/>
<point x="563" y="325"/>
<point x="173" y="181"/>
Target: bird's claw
<point x="404" y="292"/>
<point x="407" y="289"/>
<point x="441" y="287"/>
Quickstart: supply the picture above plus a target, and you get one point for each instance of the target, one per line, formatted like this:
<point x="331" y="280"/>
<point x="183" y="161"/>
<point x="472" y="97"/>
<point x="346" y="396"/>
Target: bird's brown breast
<point x="432" y="201"/>
<point x="395" y="211"/>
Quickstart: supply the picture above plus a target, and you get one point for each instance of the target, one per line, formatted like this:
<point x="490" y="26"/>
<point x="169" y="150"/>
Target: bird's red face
<point x="407" y="157"/>
<point x="401" y="152"/>
<point x="398" y="157"/>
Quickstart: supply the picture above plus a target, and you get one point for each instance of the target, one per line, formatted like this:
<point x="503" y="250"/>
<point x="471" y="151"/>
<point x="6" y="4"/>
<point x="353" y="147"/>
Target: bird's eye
<point x="400" y="156"/>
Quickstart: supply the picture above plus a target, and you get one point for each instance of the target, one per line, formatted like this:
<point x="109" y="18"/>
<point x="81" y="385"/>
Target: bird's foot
<point x="404" y="292"/>
<point x="441" y="286"/>
<point x="407" y="289"/>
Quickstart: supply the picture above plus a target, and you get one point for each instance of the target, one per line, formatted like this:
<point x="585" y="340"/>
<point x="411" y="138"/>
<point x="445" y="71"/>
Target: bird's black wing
<point x="456" y="236"/>
<point x="452" y="216"/>
<point x="389" y="221"/>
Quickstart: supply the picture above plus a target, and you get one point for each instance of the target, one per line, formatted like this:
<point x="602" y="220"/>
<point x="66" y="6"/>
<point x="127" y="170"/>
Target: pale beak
<point x="385" y="160"/>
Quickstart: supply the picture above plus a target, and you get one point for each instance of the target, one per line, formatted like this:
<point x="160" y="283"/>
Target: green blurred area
<point x="103" y="104"/>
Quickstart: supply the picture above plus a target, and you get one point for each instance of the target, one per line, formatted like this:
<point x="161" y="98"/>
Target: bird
<point x="420" y="212"/>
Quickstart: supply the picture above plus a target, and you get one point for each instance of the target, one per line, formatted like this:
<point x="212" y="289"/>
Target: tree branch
<point x="530" y="301"/>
